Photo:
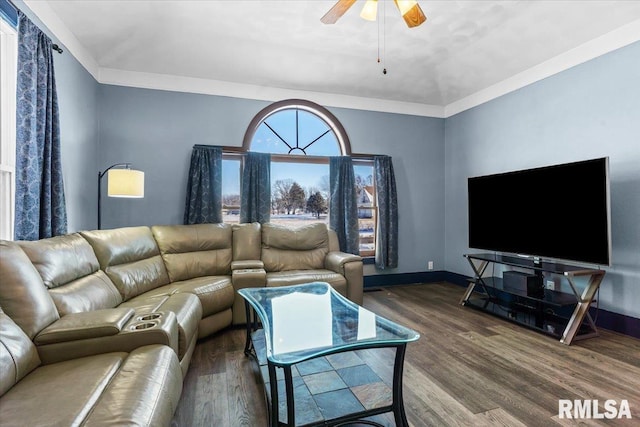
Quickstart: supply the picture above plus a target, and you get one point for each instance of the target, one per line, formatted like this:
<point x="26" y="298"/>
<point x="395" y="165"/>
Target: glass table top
<point x="305" y="321"/>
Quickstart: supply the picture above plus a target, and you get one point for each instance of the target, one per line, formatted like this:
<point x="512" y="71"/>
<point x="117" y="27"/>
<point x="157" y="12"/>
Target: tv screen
<point x="560" y="212"/>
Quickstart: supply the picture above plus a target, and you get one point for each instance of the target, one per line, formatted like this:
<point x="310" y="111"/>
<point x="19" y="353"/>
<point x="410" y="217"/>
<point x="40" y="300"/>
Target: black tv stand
<point x="547" y="312"/>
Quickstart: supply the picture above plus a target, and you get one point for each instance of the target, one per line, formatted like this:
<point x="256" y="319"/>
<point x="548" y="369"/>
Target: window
<point x="367" y="210"/>
<point x="301" y="136"/>
<point x="299" y="187"/>
<point x="8" y="58"/>
<point x="231" y="188"/>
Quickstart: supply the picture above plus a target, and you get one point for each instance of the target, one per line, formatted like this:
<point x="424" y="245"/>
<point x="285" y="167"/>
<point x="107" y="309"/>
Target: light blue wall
<point x="416" y="146"/>
<point x="589" y="111"/>
<point x="156" y="130"/>
<point x="78" y="105"/>
<point x="78" y="102"/>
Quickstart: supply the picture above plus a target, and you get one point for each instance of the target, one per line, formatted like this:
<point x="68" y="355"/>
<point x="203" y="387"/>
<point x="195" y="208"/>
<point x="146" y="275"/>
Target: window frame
<point x="301" y="104"/>
<point x="8" y="87"/>
<point x="237" y="153"/>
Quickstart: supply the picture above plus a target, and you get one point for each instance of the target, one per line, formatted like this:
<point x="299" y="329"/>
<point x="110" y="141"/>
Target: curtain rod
<point x="54" y="46"/>
<point x="238" y="151"/>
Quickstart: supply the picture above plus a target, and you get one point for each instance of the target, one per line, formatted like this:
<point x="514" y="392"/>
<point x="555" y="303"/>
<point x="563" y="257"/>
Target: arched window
<point x="301" y="136"/>
<point x="296" y="127"/>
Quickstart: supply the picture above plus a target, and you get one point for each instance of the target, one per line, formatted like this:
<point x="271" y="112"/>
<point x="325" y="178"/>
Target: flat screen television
<point x="560" y="212"/>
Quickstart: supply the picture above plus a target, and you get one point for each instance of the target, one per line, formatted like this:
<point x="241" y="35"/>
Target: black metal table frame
<point x="397" y="404"/>
<point x="582" y="304"/>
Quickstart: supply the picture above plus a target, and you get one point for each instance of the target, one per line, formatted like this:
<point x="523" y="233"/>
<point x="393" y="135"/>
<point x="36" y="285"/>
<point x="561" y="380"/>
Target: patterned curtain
<point x="40" y="203"/>
<point x="387" y="238"/>
<point x="255" y="196"/>
<point x="204" y="186"/>
<point x="343" y="206"/>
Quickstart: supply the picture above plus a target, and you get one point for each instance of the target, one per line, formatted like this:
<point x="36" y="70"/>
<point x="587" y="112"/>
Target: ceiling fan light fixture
<point x="369" y="10"/>
<point x="405" y="6"/>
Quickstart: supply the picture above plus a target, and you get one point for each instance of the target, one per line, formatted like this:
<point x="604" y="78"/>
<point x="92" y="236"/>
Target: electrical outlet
<point x="550" y="284"/>
<point x="430" y="265"/>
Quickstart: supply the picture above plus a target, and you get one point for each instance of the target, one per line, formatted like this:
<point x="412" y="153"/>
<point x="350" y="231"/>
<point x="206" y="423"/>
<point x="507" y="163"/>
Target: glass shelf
<point x="522" y="262"/>
<point x="527" y="315"/>
<point x="550" y="312"/>
<point x="550" y="297"/>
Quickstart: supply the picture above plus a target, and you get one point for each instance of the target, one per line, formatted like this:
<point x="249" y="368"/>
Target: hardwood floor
<point x="468" y="369"/>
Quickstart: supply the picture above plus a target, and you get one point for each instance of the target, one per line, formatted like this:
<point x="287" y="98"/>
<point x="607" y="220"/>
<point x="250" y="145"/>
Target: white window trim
<point x="8" y="73"/>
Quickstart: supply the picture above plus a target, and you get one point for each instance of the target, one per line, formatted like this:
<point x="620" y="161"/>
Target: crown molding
<point x="606" y="43"/>
<point x="599" y="46"/>
<point x="262" y="93"/>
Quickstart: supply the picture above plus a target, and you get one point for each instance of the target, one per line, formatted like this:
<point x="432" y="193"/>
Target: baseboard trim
<point x="605" y="319"/>
<point x="616" y="322"/>
<point x="406" y="278"/>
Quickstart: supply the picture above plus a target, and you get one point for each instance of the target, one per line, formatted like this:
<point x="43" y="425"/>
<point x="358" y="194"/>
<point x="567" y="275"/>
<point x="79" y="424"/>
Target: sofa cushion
<point x="18" y="355"/>
<point x="130" y="257"/>
<point x="71" y="272"/>
<point x="145" y="392"/>
<point x="285" y="248"/>
<point x="195" y="250"/>
<point x="61" y="259"/>
<point x="138" y="388"/>
<point x="61" y="394"/>
<point x="93" y="292"/>
<point x="297" y="277"/>
<point x="23" y="295"/>
<point x="246" y="241"/>
<point x="214" y="292"/>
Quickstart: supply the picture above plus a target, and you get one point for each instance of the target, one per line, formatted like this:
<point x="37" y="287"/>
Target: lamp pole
<point x="100" y="175"/>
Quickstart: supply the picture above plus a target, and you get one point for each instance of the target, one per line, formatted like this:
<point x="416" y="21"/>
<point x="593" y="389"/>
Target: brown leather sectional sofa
<point x="98" y="327"/>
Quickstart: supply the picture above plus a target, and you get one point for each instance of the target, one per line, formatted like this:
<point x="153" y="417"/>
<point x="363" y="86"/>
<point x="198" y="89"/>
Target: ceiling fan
<point x="409" y="9"/>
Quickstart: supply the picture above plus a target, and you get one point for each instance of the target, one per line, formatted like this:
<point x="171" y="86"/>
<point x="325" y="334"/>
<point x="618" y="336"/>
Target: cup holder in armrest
<point x="150" y="316"/>
<point x="142" y="326"/>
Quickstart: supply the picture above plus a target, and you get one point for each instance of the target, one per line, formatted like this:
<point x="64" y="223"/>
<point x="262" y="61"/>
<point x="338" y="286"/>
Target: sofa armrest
<point x="89" y="324"/>
<point x="335" y="261"/>
<point x="350" y="266"/>
<point x="139" y="330"/>
<point x="249" y="277"/>
<point x="247" y="264"/>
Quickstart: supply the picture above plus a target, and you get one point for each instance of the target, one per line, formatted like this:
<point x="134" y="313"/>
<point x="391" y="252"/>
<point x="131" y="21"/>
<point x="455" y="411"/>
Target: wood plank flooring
<point x="468" y="369"/>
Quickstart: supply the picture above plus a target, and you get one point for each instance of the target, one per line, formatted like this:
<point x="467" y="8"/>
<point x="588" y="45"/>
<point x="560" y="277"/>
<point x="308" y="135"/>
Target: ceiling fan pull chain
<point x="384" y="38"/>
<point x="378" y="24"/>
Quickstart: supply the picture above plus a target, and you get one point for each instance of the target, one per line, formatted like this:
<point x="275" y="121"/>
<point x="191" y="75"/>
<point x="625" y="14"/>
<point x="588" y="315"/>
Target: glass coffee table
<point x="307" y="344"/>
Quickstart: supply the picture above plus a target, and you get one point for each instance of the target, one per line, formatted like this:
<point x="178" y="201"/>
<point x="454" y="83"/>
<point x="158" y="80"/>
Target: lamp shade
<point x="125" y="183"/>
<point x="405" y="5"/>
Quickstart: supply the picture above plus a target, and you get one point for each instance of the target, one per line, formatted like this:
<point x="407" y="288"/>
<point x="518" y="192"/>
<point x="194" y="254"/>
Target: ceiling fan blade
<point x="337" y="11"/>
<point x="414" y="16"/>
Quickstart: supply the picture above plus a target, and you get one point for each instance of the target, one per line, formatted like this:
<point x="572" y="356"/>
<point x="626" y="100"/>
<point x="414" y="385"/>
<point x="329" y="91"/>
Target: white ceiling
<point x="467" y="51"/>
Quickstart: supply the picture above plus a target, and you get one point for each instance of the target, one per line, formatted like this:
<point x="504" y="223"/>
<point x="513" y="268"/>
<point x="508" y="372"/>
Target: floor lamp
<point x="125" y="182"/>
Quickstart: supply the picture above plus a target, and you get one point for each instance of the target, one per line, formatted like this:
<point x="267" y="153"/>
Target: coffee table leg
<point x="273" y="385"/>
<point x="248" y="343"/>
<point x="291" y="410"/>
<point x="398" y="402"/>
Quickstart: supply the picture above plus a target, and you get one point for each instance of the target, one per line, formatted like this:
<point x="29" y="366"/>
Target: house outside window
<point x="301" y="136"/>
